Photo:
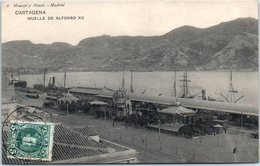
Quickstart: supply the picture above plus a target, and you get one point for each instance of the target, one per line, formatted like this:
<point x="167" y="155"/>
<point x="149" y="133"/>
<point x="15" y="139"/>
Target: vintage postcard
<point x="135" y="81"/>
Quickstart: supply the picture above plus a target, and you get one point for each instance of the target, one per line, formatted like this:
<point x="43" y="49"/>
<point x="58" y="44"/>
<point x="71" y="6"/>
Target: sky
<point x="116" y="18"/>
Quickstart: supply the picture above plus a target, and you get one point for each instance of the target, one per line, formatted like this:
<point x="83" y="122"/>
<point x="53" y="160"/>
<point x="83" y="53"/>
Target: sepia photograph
<point x="130" y="82"/>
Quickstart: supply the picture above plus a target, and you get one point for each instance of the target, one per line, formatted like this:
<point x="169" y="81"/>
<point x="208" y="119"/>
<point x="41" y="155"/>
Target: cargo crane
<point x="231" y="98"/>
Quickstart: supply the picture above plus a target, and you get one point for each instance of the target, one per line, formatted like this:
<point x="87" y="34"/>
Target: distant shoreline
<point x="145" y="71"/>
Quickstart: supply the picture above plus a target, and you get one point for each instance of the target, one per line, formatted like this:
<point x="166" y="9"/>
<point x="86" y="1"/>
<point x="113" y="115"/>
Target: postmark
<point x="30" y="140"/>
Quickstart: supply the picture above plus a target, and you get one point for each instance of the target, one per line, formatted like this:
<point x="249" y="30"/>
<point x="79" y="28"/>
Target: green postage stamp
<point x="30" y="140"/>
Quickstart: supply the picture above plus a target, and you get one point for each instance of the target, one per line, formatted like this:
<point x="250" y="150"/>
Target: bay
<point x="161" y="83"/>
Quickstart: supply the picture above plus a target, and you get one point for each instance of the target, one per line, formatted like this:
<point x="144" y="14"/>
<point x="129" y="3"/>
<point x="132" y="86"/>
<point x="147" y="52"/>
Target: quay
<point x="159" y="129"/>
<point x="174" y="149"/>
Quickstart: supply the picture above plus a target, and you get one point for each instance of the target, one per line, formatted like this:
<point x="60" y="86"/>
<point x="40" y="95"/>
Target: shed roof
<point x="220" y="106"/>
<point x="107" y="93"/>
<point x="153" y="99"/>
<point x="199" y="104"/>
<point x="234" y="108"/>
<point x="86" y="90"/>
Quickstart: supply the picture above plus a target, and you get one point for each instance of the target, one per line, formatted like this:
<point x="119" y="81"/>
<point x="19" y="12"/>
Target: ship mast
<point x="185" y="85"/>
<point x="44" y="76"/>
<point x="174" y="90"/>
<point x="231" y="88"/>
<point x="65" y="76"/>
<point x="132" y="88"/>
<point x="123" y="81"/>
<point x="65" y="73"/>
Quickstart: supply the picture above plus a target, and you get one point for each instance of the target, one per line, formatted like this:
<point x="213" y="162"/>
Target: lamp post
<point x="242" y="125"/>
<point x="176" y="148"/>
<point x="67" y="108"/>
<point x="148" y="116"/>
<point x="105" y="117"/>
<point x="65" y="75"/>
<point x="160" y="134"/>
<point x="67" y="102"/>
<point x="145" y="139"/>
<point x="193" y="155"/>
<point x="217" y="141"/>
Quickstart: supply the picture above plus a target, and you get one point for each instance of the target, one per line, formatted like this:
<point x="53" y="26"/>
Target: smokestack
<point x="203" y="92"/>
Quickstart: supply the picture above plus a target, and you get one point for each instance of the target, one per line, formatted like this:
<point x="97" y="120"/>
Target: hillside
<point x="226" y="45"/>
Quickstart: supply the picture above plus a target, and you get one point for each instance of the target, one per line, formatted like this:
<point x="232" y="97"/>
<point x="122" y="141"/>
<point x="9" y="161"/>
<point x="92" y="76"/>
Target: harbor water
<point x="161" y="83"/>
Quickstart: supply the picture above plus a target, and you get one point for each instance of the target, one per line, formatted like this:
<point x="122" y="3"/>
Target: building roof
<point x="234" y="108"/>
<point x="199" y="104"/>
<point x="67" y="145"/>
<point x="86" y="131"/>
<point x="86" y="90"/>
<point x="107" y="93"/>
<point x="60" y="152"/>
<point x="169" y="100"/>
<point x="67" y="136"/>
<point x="152" y="99"/>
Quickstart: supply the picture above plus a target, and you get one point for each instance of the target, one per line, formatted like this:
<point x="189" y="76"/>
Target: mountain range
<point x="228" y="45"/>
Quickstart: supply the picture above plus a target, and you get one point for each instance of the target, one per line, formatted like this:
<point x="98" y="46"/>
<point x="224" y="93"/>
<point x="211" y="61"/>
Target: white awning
<point x="178" y="110"/>
<point x="98" y="103"/>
